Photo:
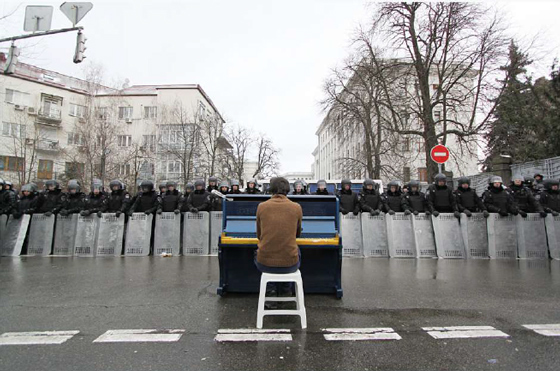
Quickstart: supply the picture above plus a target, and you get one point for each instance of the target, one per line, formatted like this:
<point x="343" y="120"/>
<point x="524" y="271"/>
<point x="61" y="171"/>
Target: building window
<point x="51" y="106"/>
<point x="149" y="142"/>
<point x="405" y="144"/>
<point x="75" y="139"/>
<point x="45" y="169"/>
<point x="124" y="140"/>
<point x="77" y="111"/>
<point x="422" y="174"/>
<point x="74" y="170"/>
<point x="17" y="97"/>
<point x="124" y="169"/>
<point x="202" y="111"/>
<point x="13" y="130"/>
<point x="173" y="167"/>
<point x="125" y="113"/>
<point x="437" y="115"/>
<point x="150" y="112"/>
<point x="11" y="163"/>
<point x="102" y="113"/>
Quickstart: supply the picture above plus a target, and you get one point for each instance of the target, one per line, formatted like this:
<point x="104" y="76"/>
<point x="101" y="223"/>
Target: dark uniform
<point x="497" y="199"/>
<point x="392" y="202"/>
<point x="524" y="198"/>
<point x="550" y="197"/>
<point x="118" y="201"/>
<point x="51" y="201"/>
<point x="172" y="199"/>
<point x="440" y="197"/>
<point x="539" y="182"/>
<point x="252" y="187"/>
<point x="96" y="201"/>
<point x="348" y="199"/>
<point x="322" y="188"/>
<point x="199" y="199"/>
<point x="467" y="200"/>
<point x="7" y="198"/>
<point x="212" y="184"/>
<point x="235" y="188"/>
<point x="162" y="186"/>
<point x="530" y="184"/>
<point x="147" y="202"/>
<point x="299" y="188"/>
<point x="217" y="201"/>
<point x="75" y="200"/>
<point x="414" y="201"/>
<point x="27" y="202"/>
<point x="370" y="199"/>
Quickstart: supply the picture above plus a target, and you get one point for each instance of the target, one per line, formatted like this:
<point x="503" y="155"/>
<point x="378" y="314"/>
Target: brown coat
<point x="278" y="225"/>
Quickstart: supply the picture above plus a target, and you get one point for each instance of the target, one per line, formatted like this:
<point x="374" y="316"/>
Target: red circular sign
<point x="440" y="154"/>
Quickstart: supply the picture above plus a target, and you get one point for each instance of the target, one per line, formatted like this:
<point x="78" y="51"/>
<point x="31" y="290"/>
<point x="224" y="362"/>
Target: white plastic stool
<point x="300" y="305"/>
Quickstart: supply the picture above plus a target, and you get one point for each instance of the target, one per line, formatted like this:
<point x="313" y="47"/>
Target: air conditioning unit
<point x="129" y="121"/>
<point x="29" y="141"/>
<point x="19" y="108"/>
<point x="31" y="111"/>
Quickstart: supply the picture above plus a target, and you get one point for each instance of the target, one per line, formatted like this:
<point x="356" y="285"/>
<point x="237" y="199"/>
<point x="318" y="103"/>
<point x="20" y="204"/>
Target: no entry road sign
<point x="440" y="154"/>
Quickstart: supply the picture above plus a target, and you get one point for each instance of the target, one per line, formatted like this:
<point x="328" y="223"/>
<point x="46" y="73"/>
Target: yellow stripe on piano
<point x="300" y="241"/>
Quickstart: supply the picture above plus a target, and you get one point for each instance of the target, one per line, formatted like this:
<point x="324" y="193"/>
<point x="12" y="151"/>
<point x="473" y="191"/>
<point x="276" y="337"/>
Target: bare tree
<point x="267" y="157"/>
<point x="213" y="142"/>
<point x="455" y="51"/>
<point x="241" y="140"/>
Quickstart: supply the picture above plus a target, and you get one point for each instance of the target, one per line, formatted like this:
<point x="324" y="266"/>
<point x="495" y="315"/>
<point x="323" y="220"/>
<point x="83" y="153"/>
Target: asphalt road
<point x="93" y="296"/>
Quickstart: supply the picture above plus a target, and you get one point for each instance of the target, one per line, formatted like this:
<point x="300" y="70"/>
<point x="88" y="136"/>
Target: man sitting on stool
<point x="278" y="226"/>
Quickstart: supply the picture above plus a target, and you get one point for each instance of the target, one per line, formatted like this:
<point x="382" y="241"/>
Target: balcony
<point x="50" y="117"/>
<point x="44" y="144"/>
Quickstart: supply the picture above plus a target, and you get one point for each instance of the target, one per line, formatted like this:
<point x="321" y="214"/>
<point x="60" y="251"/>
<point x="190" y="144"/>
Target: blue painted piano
<point x="320" y="244"/>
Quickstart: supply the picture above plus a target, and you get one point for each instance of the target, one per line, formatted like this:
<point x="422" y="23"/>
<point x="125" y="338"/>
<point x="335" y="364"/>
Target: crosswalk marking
<point x="36" y="337"/>
<point x="546" y="330"/>
<point x="464" y="332"/>
<point x="240" y="335"/>
<point x="360" y="334"/>
<point x="139" y="336"/>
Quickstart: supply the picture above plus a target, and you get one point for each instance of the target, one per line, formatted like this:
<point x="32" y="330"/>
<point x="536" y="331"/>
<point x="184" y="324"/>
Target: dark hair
<point x="280" y="186"/>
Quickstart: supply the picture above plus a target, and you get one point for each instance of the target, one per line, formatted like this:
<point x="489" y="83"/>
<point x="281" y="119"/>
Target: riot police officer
<point x="172" y="198"/>
<point x="252" y="187"/>
<point x="96" y="202"/>
<point x="414" y="201"/>
<point x="539" y="182"/>
<point x="188" y="189"/>
<point x="235" y="188"/>
<point x="199" y="199"/>
<point x="74" y="200"/>
<point x="440" y="197"/>
<point x="162" y="186"/>
<point x="348" y="199"/>
<point x="322" y="188"/>
<point x="467" y="200"/>
<point x="51" y="200"/>
<point x="299" y="188"/>
<point x="370" y="199"/>
<point x="118" y="201"/>
<point x="27" y="202"/>
<point x="392" y="202"/>
<point x="7" y="198"/>
<point x="530" y="185"/>
<point x="524" y="198"/>
<point x="550" y="197"/>
<point x="497" y="199"/>
<point x="212" y="184"/>
<point x="217" y="202"/>
<point x="147" y="202"/>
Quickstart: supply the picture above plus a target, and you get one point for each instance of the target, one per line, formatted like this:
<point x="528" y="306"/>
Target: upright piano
<point x="320" y="244"/>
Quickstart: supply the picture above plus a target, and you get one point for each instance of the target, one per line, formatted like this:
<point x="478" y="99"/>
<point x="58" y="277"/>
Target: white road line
<point x="139" y="336"/>
<point x="546" y="330"/>
<point x="361" y="334"/>
<point x="244" y="334"/>
<point x="36" y="338"/>
<point x="464" y="332"/>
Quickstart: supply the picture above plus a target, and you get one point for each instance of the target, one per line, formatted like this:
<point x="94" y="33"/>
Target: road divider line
<point x="545" y="329"/>
<point x="245" y="335"/>
<point x="464" y="332"/>
<point x="360" y="334"/>
<point x="140" y="336"/>
<point x="36" y="337"/>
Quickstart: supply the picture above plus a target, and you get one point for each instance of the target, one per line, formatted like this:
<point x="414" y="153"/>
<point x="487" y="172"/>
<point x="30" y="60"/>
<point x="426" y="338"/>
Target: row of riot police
<point x="516" y="199"/>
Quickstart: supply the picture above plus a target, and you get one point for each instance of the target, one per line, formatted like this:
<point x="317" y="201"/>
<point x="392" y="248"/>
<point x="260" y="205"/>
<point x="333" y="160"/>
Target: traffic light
<point x="80" y="48"/>
<point x="12" y="60"/>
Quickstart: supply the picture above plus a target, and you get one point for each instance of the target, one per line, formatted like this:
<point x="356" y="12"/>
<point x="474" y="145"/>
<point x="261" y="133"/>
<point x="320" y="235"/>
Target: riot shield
<point x="64" y="235"/>
<point x="3" y="221"/>
<point x="195" y="233"/>
<point x="424" y="236"/>
<point x="41" y="233"/>
<point x="167" y="234"/>
<point x="448" y="236"/>
<point x="502" y="237"/>
<point x="14" y="235"/>
<point x="138" y="235"/>
<point x="475" y="236"/>
<point x="531" y="237"/>
<point x="110" y="235"/>
<point x="215" y="230"/>
<point x="552" y="224"/>
<point x="351" y="233"/>
<point x="400" y="236"/>
<point x="374" y="236"/>
<point x="86" y="233"/>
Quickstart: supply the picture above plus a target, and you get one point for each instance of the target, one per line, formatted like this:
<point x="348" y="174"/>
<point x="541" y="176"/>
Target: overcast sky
<point x="263" y="63"/>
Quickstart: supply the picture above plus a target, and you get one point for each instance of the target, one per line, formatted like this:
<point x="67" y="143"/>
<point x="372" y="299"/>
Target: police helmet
<point x="440" y="178"/>
<point x="199" y="182"/>
<point x="537" y="174"/>
<point x="345" y="182"/>
<point x="213" y="179"/>
<point x="322" y="182"/>
<point x="224" y="183"/>
<point x="9" y="184"/>
<point x="162" y="185"/>
<point x="548" y="183"/>
<point x="496" y="179"/>
<point x="172" y="184"/>
<point x="254" y="181"/>
<point x="529" y="181"/>
<point x="300" y="182"/>
<point x="34" y="186"/>
<point x="369" y="182"/>
<point x="147" y="184"/>
<point x="116" y="183"/>
<point x="74" y="184"/>
<point x="392" y="183"/>
<point x="27" y="188"/>
<point x="189" y="186"/>
<point x="96" y="184"/>
<point x="464" y="180"/>
<point x="414" y="183"/>
<point x="517" y="177"/>
<point x="235" y="183"/>
<point x="54" y="183"/>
